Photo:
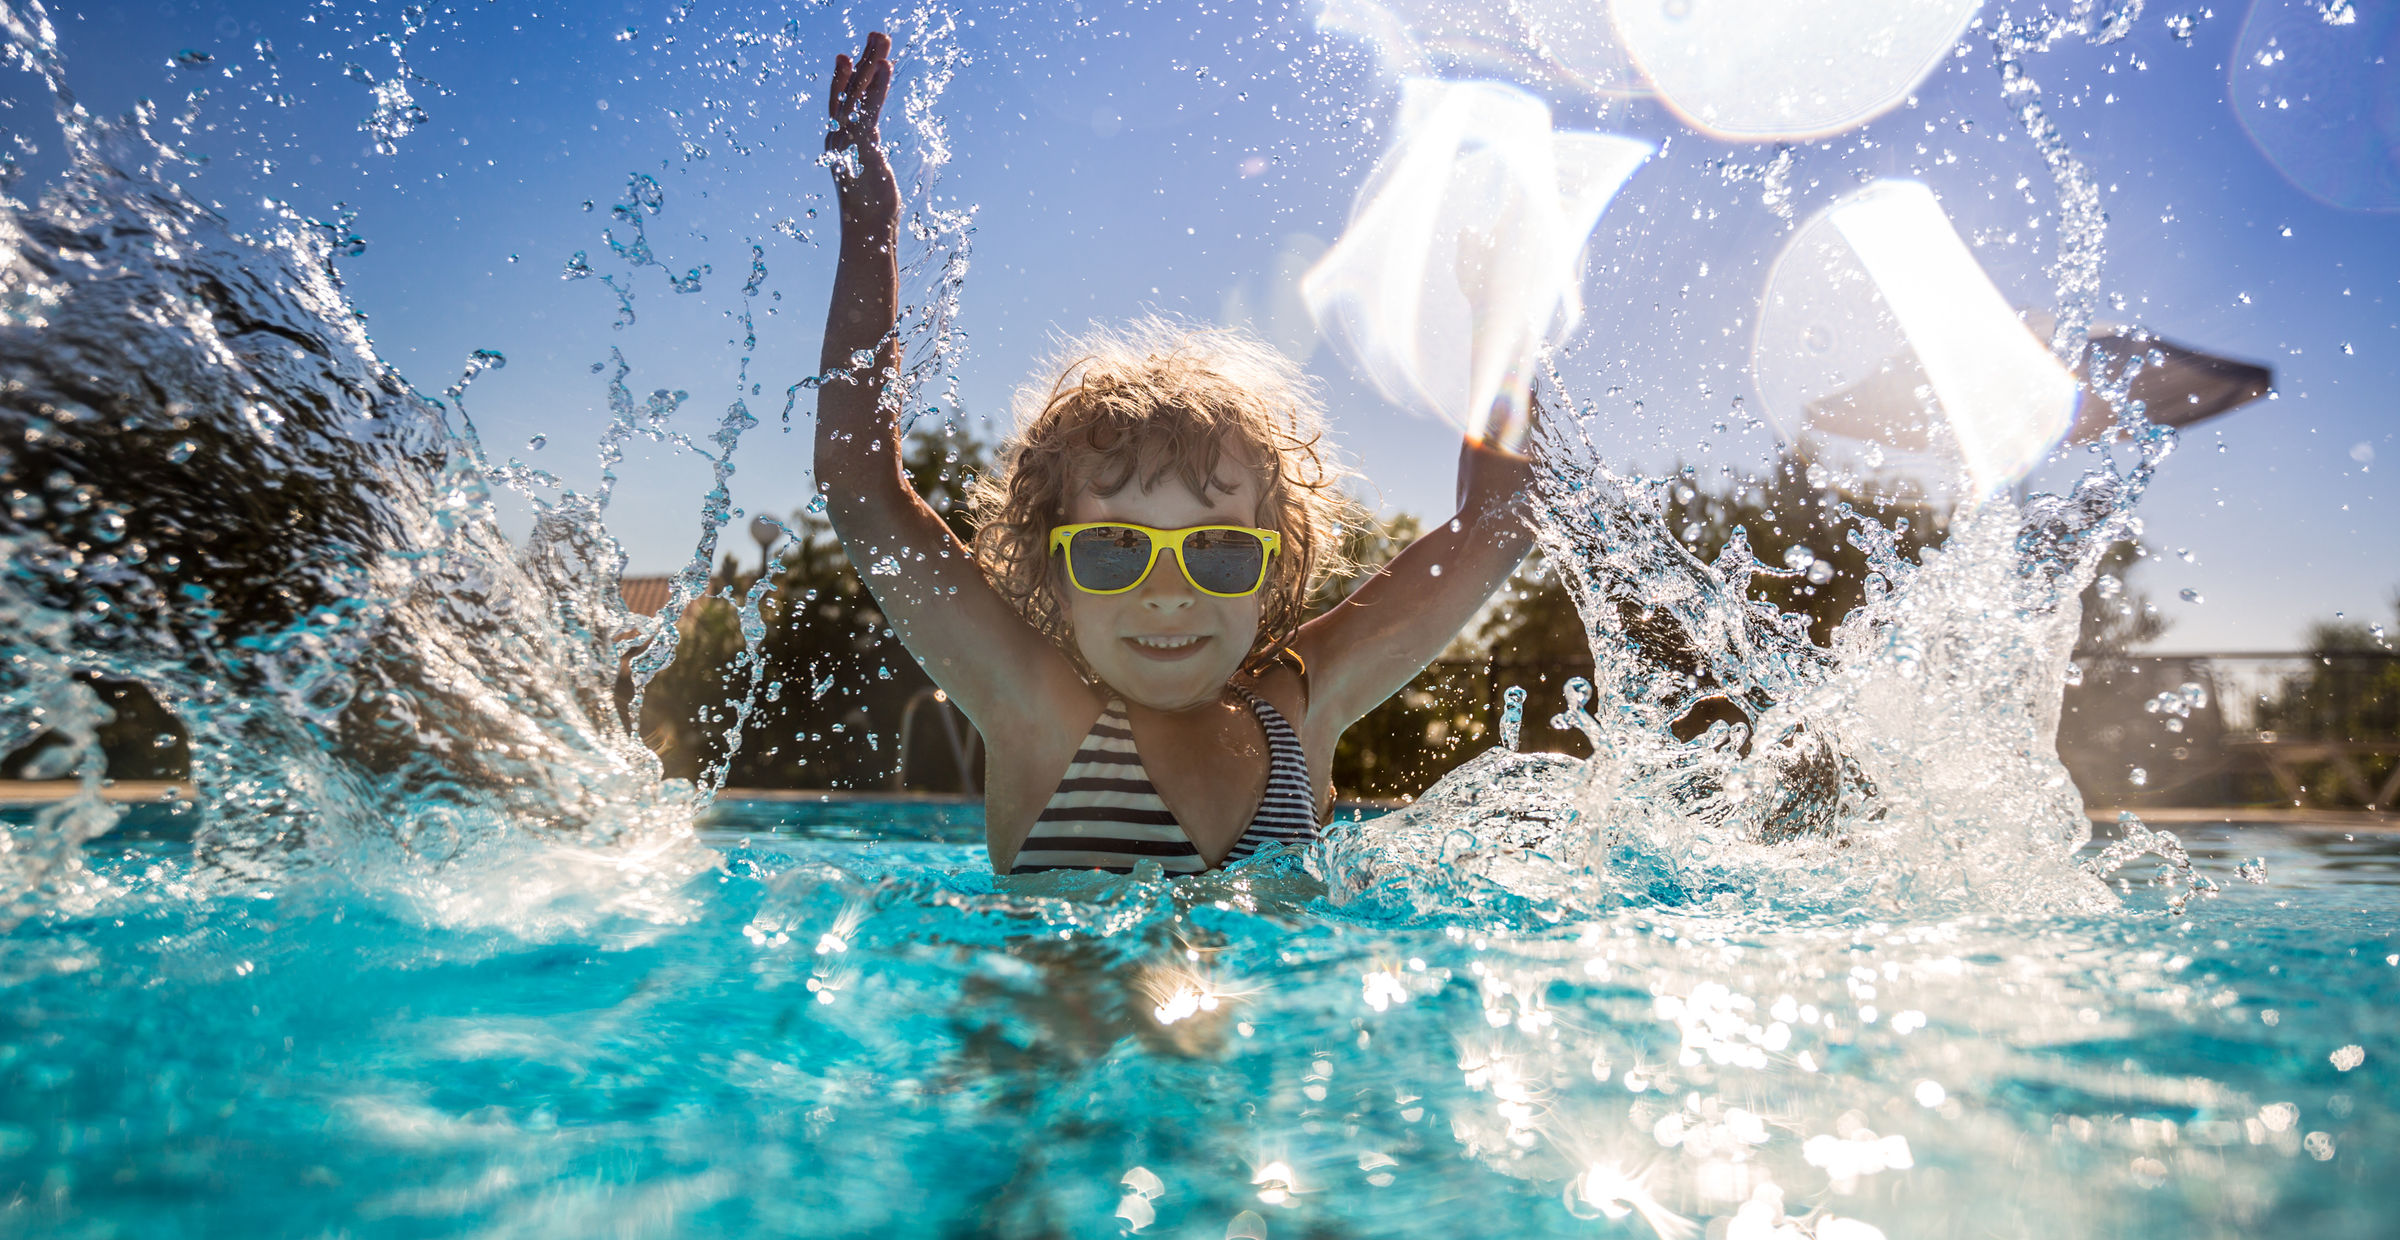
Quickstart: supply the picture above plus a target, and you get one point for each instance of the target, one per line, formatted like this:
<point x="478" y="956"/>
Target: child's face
<point x="1163" y="644"/>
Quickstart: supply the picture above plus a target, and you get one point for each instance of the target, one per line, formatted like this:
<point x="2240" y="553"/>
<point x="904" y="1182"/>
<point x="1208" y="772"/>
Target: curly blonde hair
<point x="1136" y="403"/>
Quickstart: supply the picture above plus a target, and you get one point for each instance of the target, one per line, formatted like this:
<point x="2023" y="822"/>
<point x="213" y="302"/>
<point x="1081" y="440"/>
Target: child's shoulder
<point x="1282" y="684"/>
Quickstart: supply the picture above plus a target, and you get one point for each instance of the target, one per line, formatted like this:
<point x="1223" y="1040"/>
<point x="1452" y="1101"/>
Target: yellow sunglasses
<point x="1111" y="557"/>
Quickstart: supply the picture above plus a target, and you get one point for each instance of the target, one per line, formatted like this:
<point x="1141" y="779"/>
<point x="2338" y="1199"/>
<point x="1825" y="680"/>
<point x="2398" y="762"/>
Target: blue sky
<point x="1127" y="158"/>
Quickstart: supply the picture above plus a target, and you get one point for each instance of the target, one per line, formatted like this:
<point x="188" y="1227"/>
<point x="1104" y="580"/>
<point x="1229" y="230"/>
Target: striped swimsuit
<point x="1106" y="815"/>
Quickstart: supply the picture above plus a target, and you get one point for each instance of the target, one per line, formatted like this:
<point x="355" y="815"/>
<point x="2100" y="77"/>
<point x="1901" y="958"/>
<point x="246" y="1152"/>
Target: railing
<point x="2207" y="728"/>
<point x="2236" y="728"/>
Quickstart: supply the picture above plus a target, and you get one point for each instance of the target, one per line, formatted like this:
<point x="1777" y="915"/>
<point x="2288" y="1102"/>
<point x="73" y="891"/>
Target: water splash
<point x="1911" y="763"/>
<point x="2082" y="223"/>
<point x="290" y="546"/>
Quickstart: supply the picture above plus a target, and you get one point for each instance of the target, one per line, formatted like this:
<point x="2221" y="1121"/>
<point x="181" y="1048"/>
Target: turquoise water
<point x="813" y="1034"/>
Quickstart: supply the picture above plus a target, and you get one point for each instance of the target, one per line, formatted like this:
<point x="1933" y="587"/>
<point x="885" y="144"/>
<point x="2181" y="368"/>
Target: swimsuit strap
<point x="1288" y="813"/>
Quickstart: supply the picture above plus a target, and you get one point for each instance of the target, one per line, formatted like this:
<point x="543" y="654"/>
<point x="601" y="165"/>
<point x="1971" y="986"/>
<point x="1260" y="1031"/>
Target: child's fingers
<point x="877" y="87"/>
<point x="834" y="98"/>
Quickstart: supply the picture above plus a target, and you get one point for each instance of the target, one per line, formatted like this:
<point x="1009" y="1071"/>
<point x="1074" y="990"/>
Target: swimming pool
<point x="799" y="1031"/>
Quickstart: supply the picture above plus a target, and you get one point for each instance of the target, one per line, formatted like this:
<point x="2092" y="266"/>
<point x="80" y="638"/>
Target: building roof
<point x="645" y="595"/>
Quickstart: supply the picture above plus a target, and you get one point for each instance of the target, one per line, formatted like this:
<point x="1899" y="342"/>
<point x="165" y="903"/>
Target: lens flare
<point x="1462" y="261"/>
<point x="2314" y="88"/>
<point x="1561" y="46"/>
<point x="1762" y="70"/>
<point x="1878" y="326"/>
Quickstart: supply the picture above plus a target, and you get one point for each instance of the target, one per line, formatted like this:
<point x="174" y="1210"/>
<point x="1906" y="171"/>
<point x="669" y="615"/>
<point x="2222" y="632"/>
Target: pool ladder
<point x="965" y="743"/>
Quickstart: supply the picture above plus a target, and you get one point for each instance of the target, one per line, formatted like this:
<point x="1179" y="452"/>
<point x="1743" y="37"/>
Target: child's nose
<point x="1168" y="589"/>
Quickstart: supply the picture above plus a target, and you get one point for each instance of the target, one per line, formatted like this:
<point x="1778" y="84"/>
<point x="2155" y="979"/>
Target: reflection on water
<point x="853" y="1040"/>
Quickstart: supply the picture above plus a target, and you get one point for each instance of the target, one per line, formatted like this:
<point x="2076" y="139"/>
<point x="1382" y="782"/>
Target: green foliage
<point x="833" y="683"/>
<point x="2349" y="691"/>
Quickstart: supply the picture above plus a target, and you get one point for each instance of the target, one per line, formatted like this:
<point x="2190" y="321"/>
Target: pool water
<point x="789" y="1030"/>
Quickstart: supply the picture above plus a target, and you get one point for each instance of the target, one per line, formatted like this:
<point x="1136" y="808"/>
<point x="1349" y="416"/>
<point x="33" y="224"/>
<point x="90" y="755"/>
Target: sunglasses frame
<point x="1160" y="541"/>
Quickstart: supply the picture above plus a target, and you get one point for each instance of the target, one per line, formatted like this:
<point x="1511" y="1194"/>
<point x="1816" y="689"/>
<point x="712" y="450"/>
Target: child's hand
<point x="869" y="194"/>
<point x="1490" y="473"/>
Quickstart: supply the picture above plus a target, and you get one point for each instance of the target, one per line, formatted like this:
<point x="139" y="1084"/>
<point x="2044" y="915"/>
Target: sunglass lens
<point x="1224" y="561"/>
<point x="1108" y="557"/>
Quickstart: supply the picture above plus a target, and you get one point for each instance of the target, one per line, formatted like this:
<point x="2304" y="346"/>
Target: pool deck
<point x="123" y="791"/>
<point x="2247" y="815"/>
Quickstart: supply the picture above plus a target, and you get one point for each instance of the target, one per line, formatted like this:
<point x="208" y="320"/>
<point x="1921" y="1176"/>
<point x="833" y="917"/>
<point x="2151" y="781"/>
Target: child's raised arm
<point x="969" y="639"/>
<point x="1380" y="637"/>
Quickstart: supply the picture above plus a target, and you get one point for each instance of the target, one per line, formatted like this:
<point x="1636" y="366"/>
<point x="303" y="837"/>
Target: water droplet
<point x="2138" y="777"/>
<point x="537" y="443"/>
<point x="181" y="452"/>
<point x="1436" y="570"/>
<point x="2189" y="595"/>
<point x="1512" y="717"/>
<point x="191" y="58"/>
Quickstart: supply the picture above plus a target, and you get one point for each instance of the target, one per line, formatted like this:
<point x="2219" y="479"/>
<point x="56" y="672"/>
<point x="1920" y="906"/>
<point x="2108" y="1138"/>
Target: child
<point x="1126" y="631"/>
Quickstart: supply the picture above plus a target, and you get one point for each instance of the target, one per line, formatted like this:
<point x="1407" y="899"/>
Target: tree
<point x="2349" y="693"/>
<point x="830" y="684"/>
